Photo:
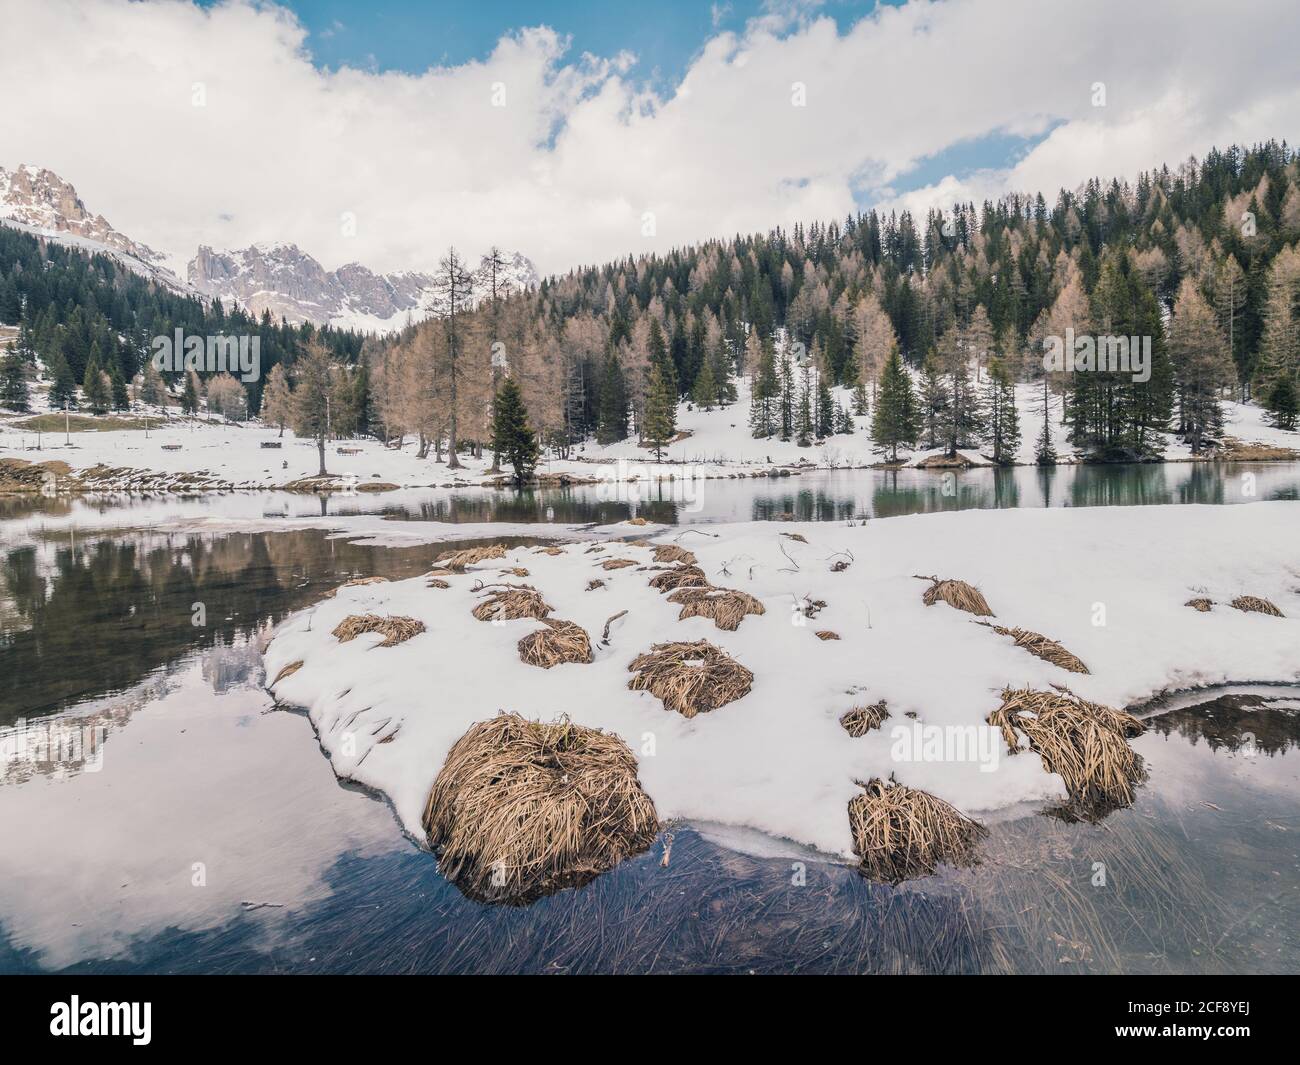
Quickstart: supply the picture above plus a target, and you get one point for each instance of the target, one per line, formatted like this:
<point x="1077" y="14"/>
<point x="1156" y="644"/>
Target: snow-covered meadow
<point x="1108" y="583"/>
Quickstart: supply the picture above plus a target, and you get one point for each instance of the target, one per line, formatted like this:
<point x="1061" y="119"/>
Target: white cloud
<point x="101" y="90"/>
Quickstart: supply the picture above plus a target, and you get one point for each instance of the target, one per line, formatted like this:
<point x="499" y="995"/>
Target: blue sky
<point x="411" y="36"/>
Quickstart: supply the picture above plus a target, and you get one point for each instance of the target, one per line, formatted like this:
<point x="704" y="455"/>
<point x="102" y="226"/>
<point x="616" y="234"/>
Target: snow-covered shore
<point x="195" y="455"/>
<point x="1108" y="583"/>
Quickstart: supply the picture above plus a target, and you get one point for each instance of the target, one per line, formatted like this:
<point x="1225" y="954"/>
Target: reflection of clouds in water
<point x="95" y="860"/>
<point x="1201" y="752"/>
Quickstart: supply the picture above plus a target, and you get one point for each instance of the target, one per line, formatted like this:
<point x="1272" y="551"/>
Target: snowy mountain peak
<point x="282" y="278"/>
<point x="40" y="200"/>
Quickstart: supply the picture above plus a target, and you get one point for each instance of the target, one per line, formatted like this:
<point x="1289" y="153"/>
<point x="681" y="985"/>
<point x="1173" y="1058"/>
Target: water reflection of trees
<point x="99" y="617"/>
<point x="1234" y="722"/>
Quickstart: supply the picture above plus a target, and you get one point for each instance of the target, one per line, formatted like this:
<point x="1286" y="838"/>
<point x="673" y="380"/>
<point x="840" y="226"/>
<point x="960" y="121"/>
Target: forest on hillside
<point x="928" y="322"/>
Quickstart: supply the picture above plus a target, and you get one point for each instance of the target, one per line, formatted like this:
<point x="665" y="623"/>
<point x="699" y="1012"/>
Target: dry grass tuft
<point x="522" y="809"/>
<point x="725" y="606"/>
<point x="1040" y="646"/>
<point x="1085" y="743"/>
<point x="287" y="671"/>
<point x="617" y="563"/>
<point x="552" y="551"/>
<point x="679" y="577"/>
<point x="637" y="521"/>
<point x="436" y="582"/>
<point x="1203" y="605"/>
<point x="456" y="561"/>
<point x="673" y="553"/>
<point x="957" y="594"/>
<point x="515" y="571"/>
<point x="901" y="832"/>
<point x="511" y="602"/>
<point x="1253" y="604"/>
<point x="396" y="629"/>
<point x="594" y="584"/>
<point x="826" y="634"/>
<point x="798" y="537"/>
<point x="862" y="719"/>
<point x="558" y="643"/>
<point x="691" y="678"/>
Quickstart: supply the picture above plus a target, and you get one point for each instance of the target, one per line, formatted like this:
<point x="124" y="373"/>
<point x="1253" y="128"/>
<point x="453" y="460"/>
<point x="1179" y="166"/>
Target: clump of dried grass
<point x="956" y="594"/>
<point x="797" y="537"/>
<point x="456" y="561"/>
<point x="638" y="521"/>
<point x="510" y="603"/>
<point x="1203" y="605"/>
<point x="674" y="553"/>
<point x="436" y="582"/>
<point x="691" y="678"/>
<point x="1085" y="743"/>
<point x="862" y="719"/>
<point x="515" y="571"/>
<point x="826" y="634"/>
<point x="552" y="551"/>
<point x="901" y="832"/>
<point x="396" y="629"/>
<point x="558" y="643"/>
<point x="287" y="671"/>
<point x="594" y="584"/>
<point x="617" y="563"/>
<point x="1040" y="646"/>
<point x="725" y="606"/>
<point x="679" y="577"/>
<point x="1253" y="604"/>
<point x="521" y="809"/>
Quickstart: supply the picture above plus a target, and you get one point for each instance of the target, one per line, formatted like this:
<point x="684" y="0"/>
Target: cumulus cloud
<point x="784" y="119"/>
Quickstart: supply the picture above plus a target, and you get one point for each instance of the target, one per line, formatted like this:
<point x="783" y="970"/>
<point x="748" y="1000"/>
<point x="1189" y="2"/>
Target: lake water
<point x="190" y="826"/>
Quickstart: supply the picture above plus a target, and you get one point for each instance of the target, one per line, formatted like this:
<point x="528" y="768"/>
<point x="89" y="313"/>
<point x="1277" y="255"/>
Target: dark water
<point x="198" y="829"/>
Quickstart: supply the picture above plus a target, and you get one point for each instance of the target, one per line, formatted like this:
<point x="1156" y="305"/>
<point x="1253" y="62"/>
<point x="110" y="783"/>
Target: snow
<point x="777" y="761"/>
<point x="718" y="443"/>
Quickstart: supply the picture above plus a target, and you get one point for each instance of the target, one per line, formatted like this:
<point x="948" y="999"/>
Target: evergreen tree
<point x="860" y="400"/>
<point x="1282" y="403"/>
<point x="121" y="399"/>
<point x="804" y="427"/>
<point x="825" y="407"/>
<point x="787" y="399"/>
<point x="1044" y="449"/>
<point x="934" y="401"/>
<point x="14" y="393"/>
<point x="660" y="412"/>
<point x="611" y="424"/>
<point x="721" y="364"/>
<point x="63" y="386"/>
<point x="95" y="387"/>
<point x="893" y="424"/>
<point x="512" y="437"/>
<point x="1003" y="419"/>
<point x="763" y="397"/>
<point x="705" y="392"/>
<point x="153" y="390"/>
<point x="190" y="394"/>
<point x="1202" y="367"/>
<point x="843" y="421"/>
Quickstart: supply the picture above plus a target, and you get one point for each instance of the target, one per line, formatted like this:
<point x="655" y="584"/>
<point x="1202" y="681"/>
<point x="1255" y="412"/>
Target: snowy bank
<point x="1110" y="584"/>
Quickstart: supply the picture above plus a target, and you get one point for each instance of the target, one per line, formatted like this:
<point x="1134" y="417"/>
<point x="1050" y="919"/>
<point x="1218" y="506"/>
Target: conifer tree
<point x="190" y="394"/>
<point x="893" y="424"/>
<point x="762" y="412"/>
<point x="660" y="412"/>
<point x="804" y="427"/>
<point x="14" y="393"/>
<point x="825" y="407"/>
<point x="611" y="424"/>
<point x="1003" y="419"/>
<point x="705" y="391"/>
<point x="512" y="437"/>
<point x="1283" y="404"/>
<point x="95" y="387"/>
